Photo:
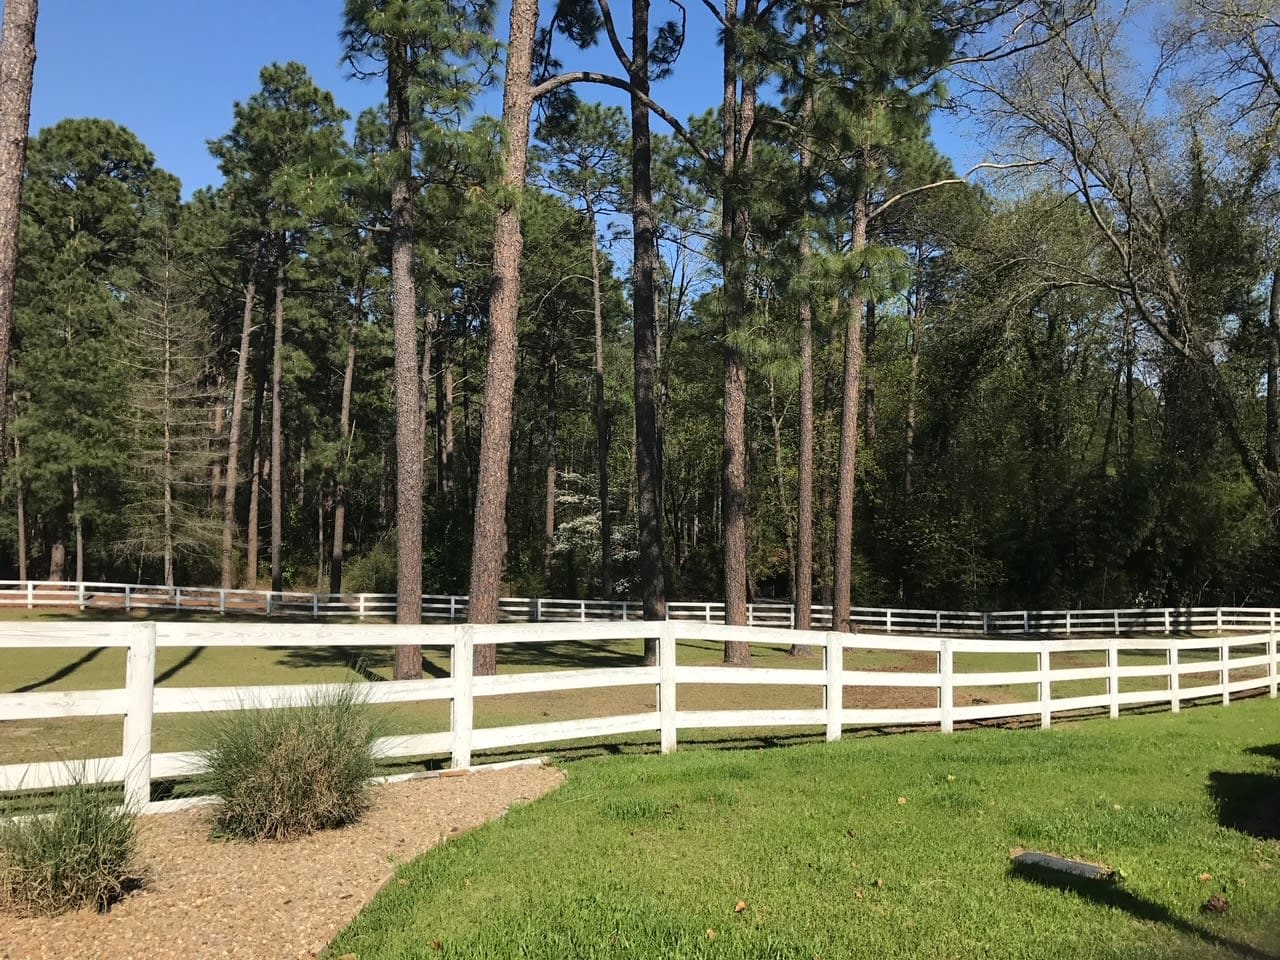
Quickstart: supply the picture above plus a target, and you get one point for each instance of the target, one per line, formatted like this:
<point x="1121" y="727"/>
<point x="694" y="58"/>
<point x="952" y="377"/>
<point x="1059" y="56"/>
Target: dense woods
<point x="780" y="349"/>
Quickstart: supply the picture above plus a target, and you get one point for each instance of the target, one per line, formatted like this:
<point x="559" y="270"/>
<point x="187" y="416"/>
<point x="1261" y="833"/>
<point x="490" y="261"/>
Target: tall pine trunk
<point x="600" y="411"/>
<point x="408" y="661"/>
<point x="842" y="573"/>
<point x="915" y="308"/>
<point x="647" y="435"/>
<point x="344" y="464"/>
<point x="233" y="434"/>
<point x="253" y="531"/>
<point x="1272" y="456"/>
<point x="549" y="509"/>
<point x="22" y="509"/>
<point x="77" y="524"/>
<point x="803" y="594"/>
<point x="17" y="66"/>
<point x="489" y="540"/>
<point x="167" y="452"/>
<point x="277" y="431"/>
<point x="738" y="118"/>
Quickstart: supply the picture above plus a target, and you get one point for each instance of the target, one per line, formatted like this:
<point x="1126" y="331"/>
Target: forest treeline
<point x="781" y="349"/>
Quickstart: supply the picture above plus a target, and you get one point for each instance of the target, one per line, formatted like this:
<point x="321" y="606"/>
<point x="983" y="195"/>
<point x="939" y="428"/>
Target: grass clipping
<point x="290" y="771"/>
<point x="77" y="854"/>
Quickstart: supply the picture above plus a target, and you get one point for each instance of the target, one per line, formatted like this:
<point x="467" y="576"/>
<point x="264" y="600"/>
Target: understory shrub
<point x="77" y="854"/>
<point x="286" y="772"/>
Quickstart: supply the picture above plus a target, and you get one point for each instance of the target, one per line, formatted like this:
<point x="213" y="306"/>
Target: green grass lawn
<point x="647" y="856"/>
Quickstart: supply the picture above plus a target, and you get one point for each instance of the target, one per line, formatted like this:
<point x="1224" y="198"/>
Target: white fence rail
<point x="35" y="594"/>
<point x="1233" y="664"/>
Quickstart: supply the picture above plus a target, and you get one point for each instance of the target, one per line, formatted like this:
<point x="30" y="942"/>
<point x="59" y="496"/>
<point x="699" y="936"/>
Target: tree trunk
<point x="219" y="424"/>
<point x="255" y="479"/>
<point x="233" y="435"/>
<point x="444" y="423"/>
<point x="738" y="119"/>
<point x="780" y="477"/>
<point x="429" y="325"/>
<point x="17" y="66"/>
<point x="167" y="455"/>
<point x="916" y="318"/>
<point x="803" y="594"/>
<point x="842" y="597"/>
<point x="22" y="509"/>
<point x="868" y="375"/>
<point x="601" y="413"/>
<point x="319" y="538"/>
<point x="647" y="436"/>
<point x="77" y="524"/>
<point x="408" y="664"/>
<point x="488" y="551"/>
<point x="344" y="464"/>
<point x="58" y="560"/>
<point x="549" y="514"/>
<point x="277" y="432"/>
<point x="1273" y="376"/>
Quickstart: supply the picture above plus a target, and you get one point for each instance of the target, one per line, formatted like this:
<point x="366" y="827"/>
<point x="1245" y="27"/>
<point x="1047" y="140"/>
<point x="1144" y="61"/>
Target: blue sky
<point x="170" y="70"/>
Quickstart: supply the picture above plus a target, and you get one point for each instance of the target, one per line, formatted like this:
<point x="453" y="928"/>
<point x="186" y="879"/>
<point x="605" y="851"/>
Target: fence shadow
<point x="1249" y="801"/>
<point x="1113" y="895"/>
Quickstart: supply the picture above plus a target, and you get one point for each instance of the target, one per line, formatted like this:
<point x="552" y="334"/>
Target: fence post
<point x="624" y="611"/>
<point x="80" y="593"/>
<point x="30" y="595"/>
<point x="1168" y="627"/>
<point x="1218" y="619"/>
<point x="464" y="706"/>
<point x="985" y="623"/>
<point x="140" y="678"/>
<point x="1175" y="677"/>
<point x="1224" y="658"/>
<point x="1046" y="685"/>
<point x="667" y="686"/>
<point x="268" y="603"/>
<point x="360" y="602"/>
<point x="1068" y="623"/>
<point x="834" y="691"/>
<point x="453" y="608"/>
<point x="128" y="598"/>
<point x="1115" y="615"/>
<point x="946" y="695"/>
<point x="1113" y="679"/>
<point x="937" y="621"/>
<point x="222" y="602"/>
<point x="1273" y="667"/>
<point x="177" y="599"/>
<point x="315" y="606"/>
<point x="751" y="614"/>
<point x="1026" y="622"/>
<point x="888" y="621"/>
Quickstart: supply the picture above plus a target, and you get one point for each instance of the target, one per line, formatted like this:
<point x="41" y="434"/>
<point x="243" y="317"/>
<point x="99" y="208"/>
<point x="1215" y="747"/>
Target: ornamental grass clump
<point x="286" y="772"/>
<point x="76" y="853"/>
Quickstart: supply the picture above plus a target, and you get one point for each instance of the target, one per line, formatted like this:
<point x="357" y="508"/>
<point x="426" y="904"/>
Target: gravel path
<point x="269" y="901"/>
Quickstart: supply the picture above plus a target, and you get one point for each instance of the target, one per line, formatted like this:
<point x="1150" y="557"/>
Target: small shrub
<point x="78" y="854"/>
<point x="287" y="772"/>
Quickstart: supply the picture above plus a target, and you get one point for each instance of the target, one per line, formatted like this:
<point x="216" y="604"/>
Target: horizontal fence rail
<point x="36" y="594"/>
<point x="1129" y="671"/>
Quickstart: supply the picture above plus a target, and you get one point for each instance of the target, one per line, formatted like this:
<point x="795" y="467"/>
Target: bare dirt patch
<point x="268" y="901"/>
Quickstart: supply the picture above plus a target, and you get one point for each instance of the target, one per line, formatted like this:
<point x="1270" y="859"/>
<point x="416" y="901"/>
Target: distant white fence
<point x="35" y="594"/>
<point x="1233" y="664"/>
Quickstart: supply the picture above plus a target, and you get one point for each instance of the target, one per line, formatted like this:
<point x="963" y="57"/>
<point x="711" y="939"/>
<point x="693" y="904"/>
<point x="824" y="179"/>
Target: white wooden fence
<point x="35" y="594"/>
<point x="1236" y="664"/>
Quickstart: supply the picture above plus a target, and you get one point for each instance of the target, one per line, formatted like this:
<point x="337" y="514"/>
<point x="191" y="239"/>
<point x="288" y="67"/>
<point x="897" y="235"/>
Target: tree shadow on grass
<point x="373" y="664"/>
<point x="65" y="671"/>
<point x="1111" y="894"/>
<point x="1249" y="801"/>
<point x="191" y="656"/>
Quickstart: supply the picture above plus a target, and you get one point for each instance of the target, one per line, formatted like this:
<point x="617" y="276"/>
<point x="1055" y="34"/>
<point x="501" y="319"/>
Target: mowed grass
<point x="880" y="848"/>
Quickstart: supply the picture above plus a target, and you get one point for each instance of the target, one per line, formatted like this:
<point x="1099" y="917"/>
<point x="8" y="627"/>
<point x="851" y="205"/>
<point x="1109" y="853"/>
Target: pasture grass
<point x="887" y="847"/>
